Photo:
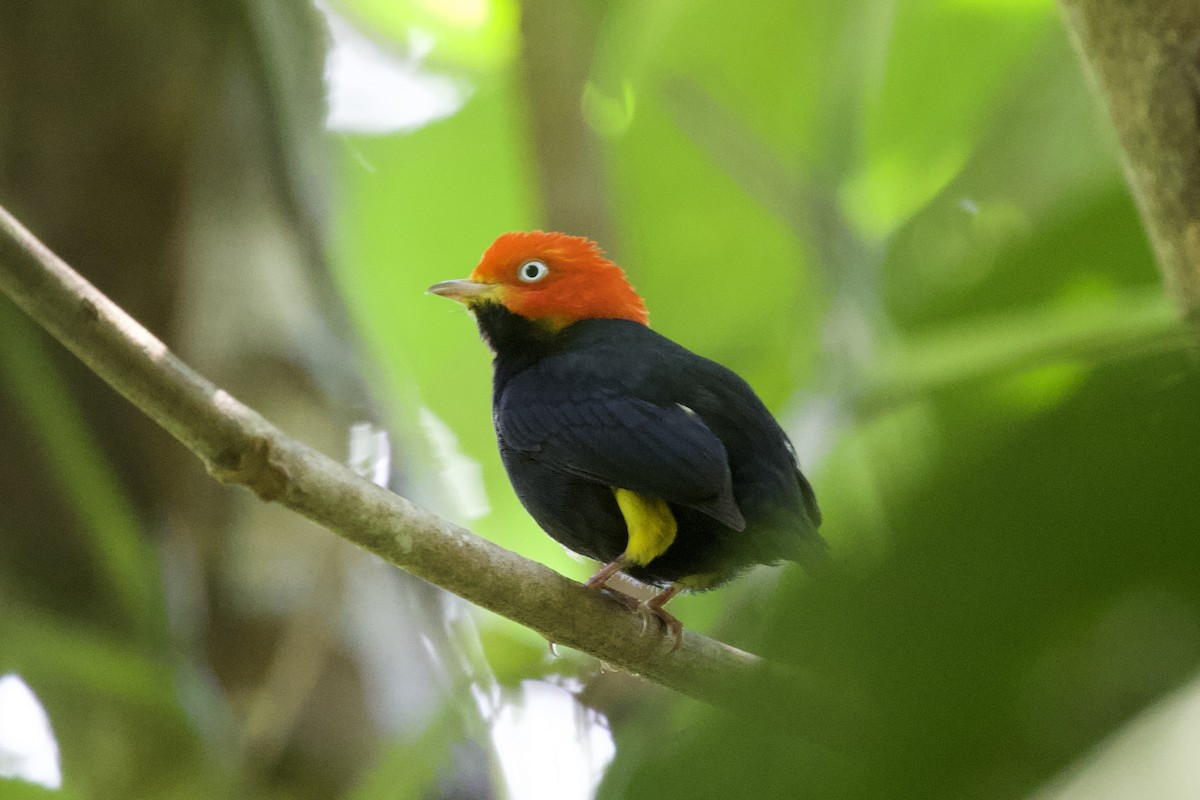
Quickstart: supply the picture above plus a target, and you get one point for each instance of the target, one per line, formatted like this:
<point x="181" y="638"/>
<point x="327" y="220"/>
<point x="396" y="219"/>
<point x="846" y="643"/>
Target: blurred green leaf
<point x="1039" y="588"/>
<point x="949" y="66"/>
<point x="410" y="768"/>
<point x="478" y="35"/>
<point x="87" y="481"/>
<point x="12" y="789"/>
<point x="1088" y="331"/>
<point x="45" y="647"/>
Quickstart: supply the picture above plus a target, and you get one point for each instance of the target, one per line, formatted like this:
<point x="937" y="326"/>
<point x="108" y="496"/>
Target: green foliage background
<point x="905" y="225"/>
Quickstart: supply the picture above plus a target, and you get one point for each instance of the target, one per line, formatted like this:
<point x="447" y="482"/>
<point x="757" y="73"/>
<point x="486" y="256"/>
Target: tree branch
<point x="238" y="446"/>
<point x="1144" y="61"/>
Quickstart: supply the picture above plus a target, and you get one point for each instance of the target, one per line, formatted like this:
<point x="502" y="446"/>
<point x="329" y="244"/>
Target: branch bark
<point x="238" y="446"/>
<point x="1143" y="59"/>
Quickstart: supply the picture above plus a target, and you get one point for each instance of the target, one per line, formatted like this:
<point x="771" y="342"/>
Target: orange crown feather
<point x="581" y="283"/>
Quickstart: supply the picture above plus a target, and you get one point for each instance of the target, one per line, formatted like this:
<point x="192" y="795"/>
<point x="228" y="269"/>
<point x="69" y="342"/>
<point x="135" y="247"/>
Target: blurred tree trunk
<point x="559" y="39"/>
<point x="99" y="114"/>
<point x="174" y="154"/>
<point x="1144" y="60"/>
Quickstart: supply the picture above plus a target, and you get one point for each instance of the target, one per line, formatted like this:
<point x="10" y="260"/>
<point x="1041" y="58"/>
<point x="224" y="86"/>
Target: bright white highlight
<point x="549" y="746"/>
<point x="373" y="91"/>
<point x="28" y="749"/>
<point x="370" y="453"/>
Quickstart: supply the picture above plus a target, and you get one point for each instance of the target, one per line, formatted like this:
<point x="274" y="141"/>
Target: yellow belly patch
<point x="650" y="523"/>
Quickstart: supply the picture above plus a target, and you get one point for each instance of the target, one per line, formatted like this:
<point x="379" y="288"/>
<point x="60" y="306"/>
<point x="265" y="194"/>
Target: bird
<point x="623" y="445"/>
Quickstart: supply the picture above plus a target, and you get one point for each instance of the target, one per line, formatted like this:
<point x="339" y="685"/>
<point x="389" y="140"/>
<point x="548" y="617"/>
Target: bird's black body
<point x="609" y="403"/>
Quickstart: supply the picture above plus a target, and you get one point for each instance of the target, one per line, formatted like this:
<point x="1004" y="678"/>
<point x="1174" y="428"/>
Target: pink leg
<point x="598" y="580"/>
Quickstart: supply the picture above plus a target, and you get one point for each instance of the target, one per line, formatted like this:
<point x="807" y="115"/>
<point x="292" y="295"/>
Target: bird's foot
<point x="654" y="608"/>
<point x="645" y="609"/>
<point x="600" y="581"/>
<point x="630" y="603"/>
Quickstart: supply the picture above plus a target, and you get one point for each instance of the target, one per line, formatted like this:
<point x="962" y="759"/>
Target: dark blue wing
<point x="620" y="440"/>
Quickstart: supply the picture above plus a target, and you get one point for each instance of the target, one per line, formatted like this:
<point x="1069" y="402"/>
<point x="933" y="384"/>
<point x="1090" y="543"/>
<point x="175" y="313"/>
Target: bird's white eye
<point x="532" y="271"/>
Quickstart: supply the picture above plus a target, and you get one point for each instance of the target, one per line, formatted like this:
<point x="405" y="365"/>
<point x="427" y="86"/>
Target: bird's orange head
<point x="550" y="278"/>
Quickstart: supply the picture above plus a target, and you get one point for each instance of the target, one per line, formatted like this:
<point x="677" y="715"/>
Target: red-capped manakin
<point x="623" y="445"/>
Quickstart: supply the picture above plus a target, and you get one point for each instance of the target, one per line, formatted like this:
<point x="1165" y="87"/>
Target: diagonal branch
<point x="238" y="446"/>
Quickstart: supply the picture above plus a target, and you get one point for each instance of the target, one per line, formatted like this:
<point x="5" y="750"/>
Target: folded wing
<point x="621" y="441"/>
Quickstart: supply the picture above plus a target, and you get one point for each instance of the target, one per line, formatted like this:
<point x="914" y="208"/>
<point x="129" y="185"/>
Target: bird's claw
<point x="644" y="609"/>
<point x="648" y="609"/>
<point x="630" y="603"/>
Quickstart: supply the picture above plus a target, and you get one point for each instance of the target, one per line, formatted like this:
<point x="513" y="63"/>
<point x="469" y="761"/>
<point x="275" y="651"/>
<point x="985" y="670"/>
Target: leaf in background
<point x="710" y="258"/>
<point x="1041" y="188"/>
<point x="477" y="35"/>
<point x="107" y="519"/>
<point x="949" y="66"/>
<point x="409" y="769"/>
<point x="68" y="654"/>
<point x="707" y="285"/>
<point x="1038" y="589"/>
